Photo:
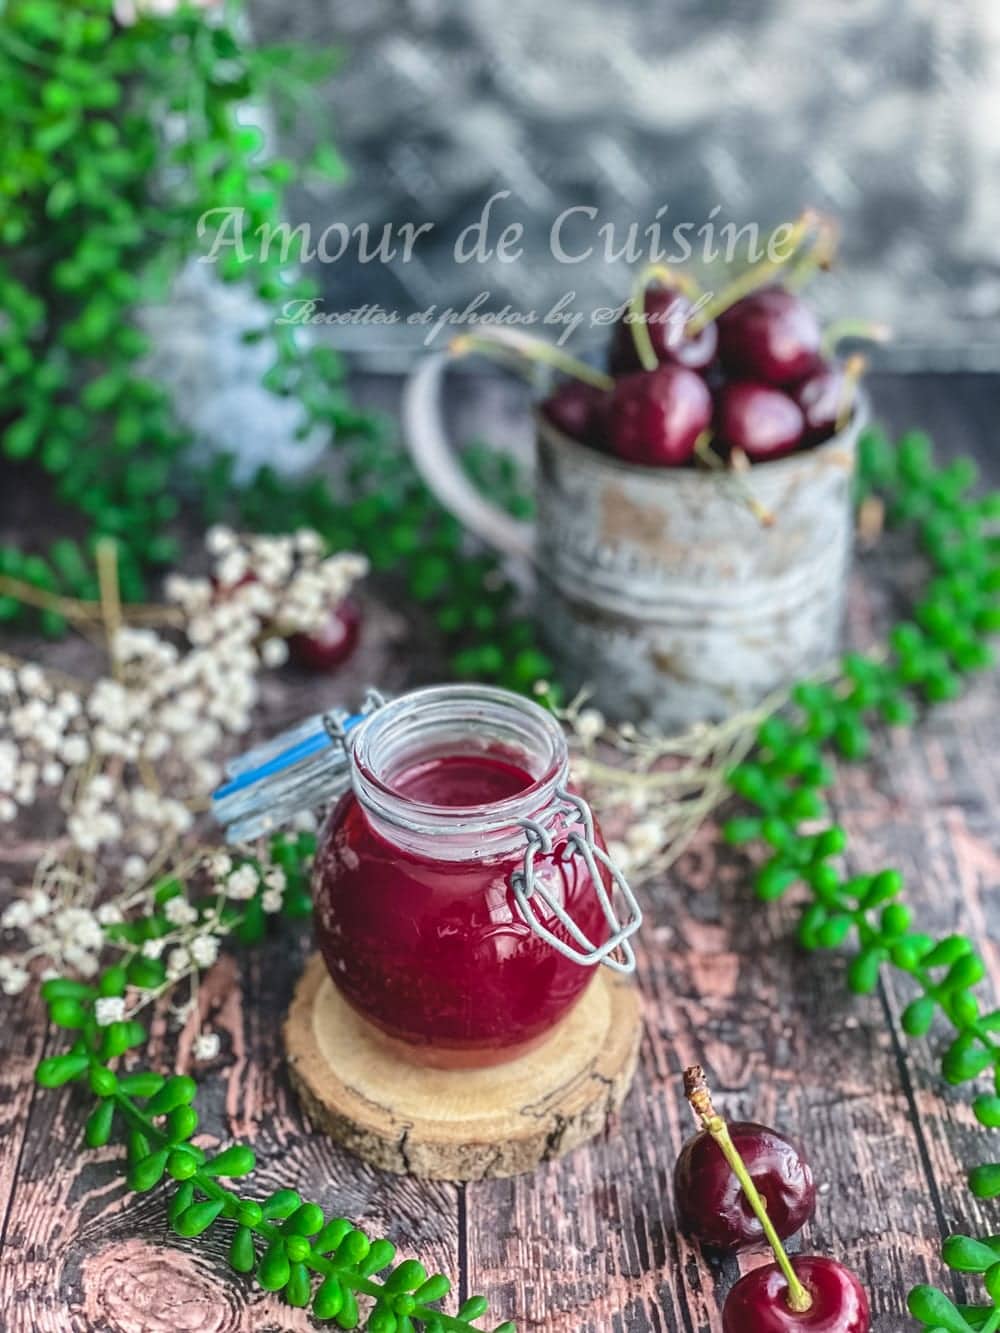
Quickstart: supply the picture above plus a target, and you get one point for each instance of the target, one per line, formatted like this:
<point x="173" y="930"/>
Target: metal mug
<point x="658" y="588"/>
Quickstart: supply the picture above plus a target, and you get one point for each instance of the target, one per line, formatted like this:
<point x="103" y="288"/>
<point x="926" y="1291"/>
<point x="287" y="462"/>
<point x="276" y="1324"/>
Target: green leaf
<point x="146" y="1173"/>
<point x="966" y="972"/>
<point x="281" y="1204"/>
<point x="66" y="1013"/>
<point x="298" y="1288"/>
<point x="182" y="1200"/>
<point x="142" y="1083"/>
<point x="237" y="1160"/>
<point x="274" y="1270"/>
<point x="65" y="988"/>
<point x="103" y="1083"/>
<point x="773" y="879"/>
<point x="98" y="1127"/>
<point x="381" y="1320"/>
<point x="198" y="1218"/>
<point x="964" y="1061"/>
<point x="353" y="1248"/>
<point x="934" y="1308"/>
<point x="741" y="830"/>
<point x="863" y="971"/>
<point x="948" y="951"/>
<point x="378" y="1257"/>
<point x="984" y="1181"/>
<point x="987" y="1111"/>
<point x="137" y="1146"/>
<point x="434" y="1289"/>
<point x="331" y="1235"/>
<point x="60" y="1069"/>
<point x="181" y="1123"/>
<point x="966" y="1255"/>
<point x="918" y="1016"/>
<point x="349" y="1316"/>
<point x="242" y="1255"/>
<point x="147" y="973"/>
<point x="329" y="1299"/>
<point x="407" y="1277"/>
<point x="177" y="1091"/>
<point x="307" y="1220"/>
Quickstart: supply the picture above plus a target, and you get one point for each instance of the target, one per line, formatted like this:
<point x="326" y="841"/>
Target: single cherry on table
<point x="758" y="1303"/>
<point x="711" y="1204"/>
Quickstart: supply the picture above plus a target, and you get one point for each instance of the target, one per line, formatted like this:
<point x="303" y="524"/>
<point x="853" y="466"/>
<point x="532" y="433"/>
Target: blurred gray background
<point x="884" y="112"/>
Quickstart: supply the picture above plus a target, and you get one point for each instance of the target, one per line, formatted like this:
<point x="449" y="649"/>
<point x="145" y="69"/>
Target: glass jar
<point x="463" y="894"/>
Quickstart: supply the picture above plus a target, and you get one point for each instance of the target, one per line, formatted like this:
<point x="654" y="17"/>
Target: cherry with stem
<point x="672" y="280"/>
<point x="809" y="1293"/>
<point x="758" y="275"/>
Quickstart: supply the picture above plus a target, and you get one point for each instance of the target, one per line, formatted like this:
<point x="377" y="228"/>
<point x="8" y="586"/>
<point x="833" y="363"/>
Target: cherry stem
<point x="758" y="275"/>
<point x="836" y="332"/>
<point x="704" y="451"/>
<point x="669" y="277"/>
<point x="821" y="255"/>
<point x="697" y="1091"/>
<point x="854" y="368"/>
<point x="492" y="342"/>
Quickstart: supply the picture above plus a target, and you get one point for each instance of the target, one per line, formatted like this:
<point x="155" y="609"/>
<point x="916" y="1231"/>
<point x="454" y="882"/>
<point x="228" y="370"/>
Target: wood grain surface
<point x="586" y="1244"/>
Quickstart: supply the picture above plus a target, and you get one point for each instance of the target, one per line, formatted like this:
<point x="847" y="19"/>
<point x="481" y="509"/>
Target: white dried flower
<point x="219" y="540"/>
<point x="13" y="977"/>
<point x="204" y="950"/>
<point x="75" y="750"/>
<point x="178" y="962"/>
<point x="274" y="652"/>
<point x="220" y="865"/>
<point x="271" y="900"/>
<point x="152" y="948"/>
<point x="179" y="912"/>
<point x="134" y="868"/>
<point x="242" y="883"/>
<point x="109" y="1009"/>
<point x="32" y="681"/>
<point x="589" y="724"/>
<point x="206" y="1046"/>
<point x="16" y="915"/>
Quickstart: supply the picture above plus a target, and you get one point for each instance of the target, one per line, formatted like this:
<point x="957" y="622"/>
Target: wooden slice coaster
<point x="461" y="1124"/>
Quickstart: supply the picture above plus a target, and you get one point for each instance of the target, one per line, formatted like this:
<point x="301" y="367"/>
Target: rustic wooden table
<point x="586" y="1244"/>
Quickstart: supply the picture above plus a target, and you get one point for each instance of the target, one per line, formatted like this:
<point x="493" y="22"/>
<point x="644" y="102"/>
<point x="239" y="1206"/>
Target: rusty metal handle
<point x="431" y="451"/>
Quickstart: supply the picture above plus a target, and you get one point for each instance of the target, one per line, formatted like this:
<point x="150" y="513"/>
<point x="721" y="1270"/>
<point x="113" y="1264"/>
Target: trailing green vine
<point x="286" y="1242"/>
<point x="927" y="660"/>
<point x="102" y="207"/>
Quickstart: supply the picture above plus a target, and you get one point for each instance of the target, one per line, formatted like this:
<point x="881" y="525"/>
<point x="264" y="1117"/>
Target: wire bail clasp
<point x="290" y="774"/>
<point x="527" y="885"/>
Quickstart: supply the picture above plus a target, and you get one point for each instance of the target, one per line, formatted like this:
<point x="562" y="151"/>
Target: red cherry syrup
<point x="434" y="952"/>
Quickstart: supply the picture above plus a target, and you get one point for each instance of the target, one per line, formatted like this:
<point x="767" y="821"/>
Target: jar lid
<point x="290" y="774"/>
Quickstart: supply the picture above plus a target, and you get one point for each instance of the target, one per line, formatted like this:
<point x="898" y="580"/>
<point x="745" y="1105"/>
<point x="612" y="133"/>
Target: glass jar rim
<point x="412" y="718"/>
